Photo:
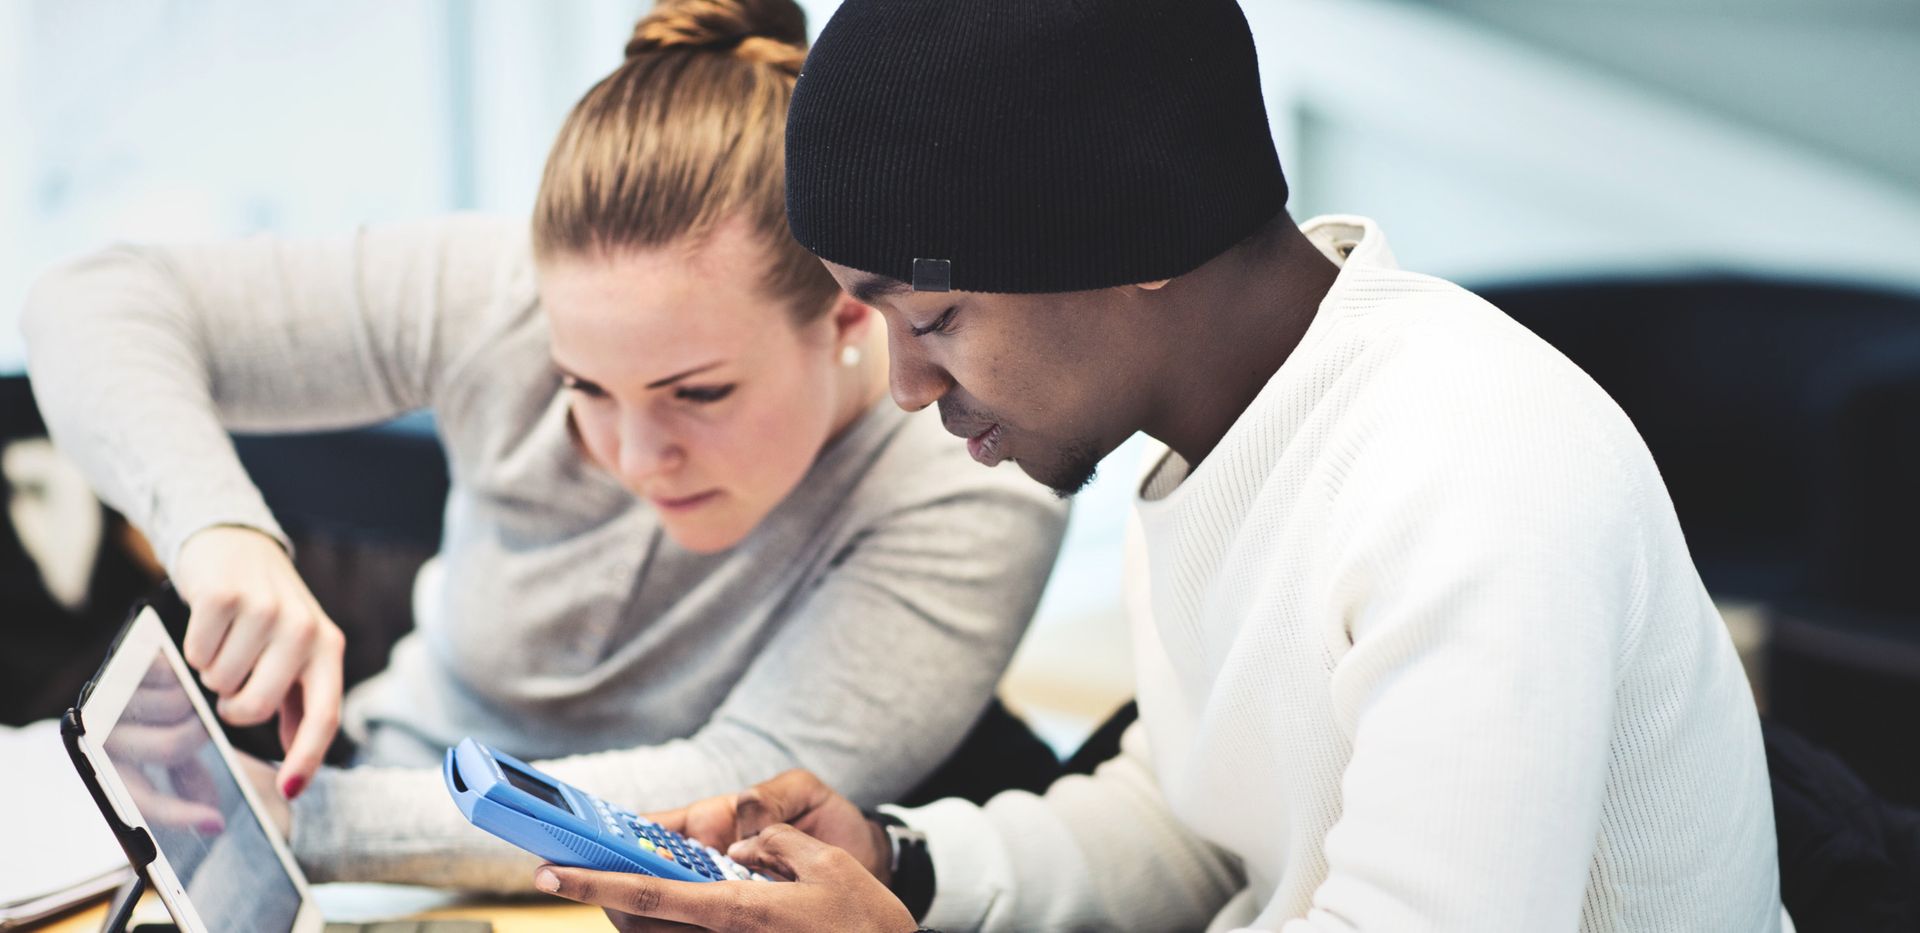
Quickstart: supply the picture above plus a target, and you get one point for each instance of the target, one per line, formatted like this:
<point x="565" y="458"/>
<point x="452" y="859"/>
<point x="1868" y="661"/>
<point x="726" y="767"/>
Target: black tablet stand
<point x="136" y="842"/>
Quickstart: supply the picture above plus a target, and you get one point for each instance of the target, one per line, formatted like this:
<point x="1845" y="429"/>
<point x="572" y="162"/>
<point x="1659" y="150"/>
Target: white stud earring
<point x="849" y="355"/>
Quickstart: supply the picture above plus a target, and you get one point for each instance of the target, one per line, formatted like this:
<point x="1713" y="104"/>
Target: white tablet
<point x="165" y="777"/>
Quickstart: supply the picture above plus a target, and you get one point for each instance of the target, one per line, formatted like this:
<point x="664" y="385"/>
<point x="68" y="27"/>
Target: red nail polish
<point x="293" y="787"/>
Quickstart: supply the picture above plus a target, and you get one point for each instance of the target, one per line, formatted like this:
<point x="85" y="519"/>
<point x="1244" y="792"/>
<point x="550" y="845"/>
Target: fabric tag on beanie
<point x="933" y="275"/>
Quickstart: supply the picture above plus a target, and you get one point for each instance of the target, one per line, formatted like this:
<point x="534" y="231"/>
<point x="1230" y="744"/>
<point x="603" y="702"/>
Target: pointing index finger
<point x="318" y="706"/>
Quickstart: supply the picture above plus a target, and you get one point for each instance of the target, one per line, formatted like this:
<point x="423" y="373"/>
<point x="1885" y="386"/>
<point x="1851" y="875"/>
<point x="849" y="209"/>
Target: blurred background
<point x="1713" y="207"/>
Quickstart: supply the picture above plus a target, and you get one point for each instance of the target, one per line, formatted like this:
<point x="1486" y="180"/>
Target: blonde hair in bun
<point x="769" y="32"/>
<point x="688" y="132"/>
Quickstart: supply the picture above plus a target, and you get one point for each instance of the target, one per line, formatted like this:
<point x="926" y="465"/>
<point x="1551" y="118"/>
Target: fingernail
<point x="293" y="786"/>
<point x="210" y="826"/>
<point x="546" y="881"/>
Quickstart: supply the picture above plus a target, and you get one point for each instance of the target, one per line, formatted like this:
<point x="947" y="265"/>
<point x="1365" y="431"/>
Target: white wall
<point x="1487" y="149"/>
<point x="15" y="146"/>
<point x="1488" y="158"/>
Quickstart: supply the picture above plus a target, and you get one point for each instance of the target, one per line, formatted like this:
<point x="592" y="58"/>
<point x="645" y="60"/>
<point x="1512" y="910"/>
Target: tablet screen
<point x="199" y="820"/>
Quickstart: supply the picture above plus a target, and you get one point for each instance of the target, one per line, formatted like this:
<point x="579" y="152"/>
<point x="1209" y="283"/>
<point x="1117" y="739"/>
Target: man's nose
<point x="915" y="381"/>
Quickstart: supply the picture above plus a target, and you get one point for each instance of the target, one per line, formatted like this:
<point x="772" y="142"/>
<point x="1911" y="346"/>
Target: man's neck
<point x="1239" y="319"/>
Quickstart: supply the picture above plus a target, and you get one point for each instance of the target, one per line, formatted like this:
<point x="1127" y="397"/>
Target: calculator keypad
<point x="666" y="844"/>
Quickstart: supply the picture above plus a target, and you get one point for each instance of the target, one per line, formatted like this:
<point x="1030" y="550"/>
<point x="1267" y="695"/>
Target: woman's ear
<point x="851" y="321"/>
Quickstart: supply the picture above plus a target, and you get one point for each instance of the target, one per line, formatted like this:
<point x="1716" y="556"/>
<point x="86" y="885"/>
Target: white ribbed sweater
<point x="1426" y="651"/>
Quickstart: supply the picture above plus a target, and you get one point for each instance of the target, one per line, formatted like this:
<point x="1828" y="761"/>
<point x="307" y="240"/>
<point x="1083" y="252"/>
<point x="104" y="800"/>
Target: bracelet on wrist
<point x="911" y="862"/>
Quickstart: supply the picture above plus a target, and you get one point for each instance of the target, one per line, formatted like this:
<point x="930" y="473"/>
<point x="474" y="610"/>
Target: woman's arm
<point x="888" y="662"/>
<point x="142" y="359"/>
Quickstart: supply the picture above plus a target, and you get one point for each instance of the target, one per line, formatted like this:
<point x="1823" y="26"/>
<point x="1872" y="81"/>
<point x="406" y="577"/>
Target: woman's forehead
<point x="640" y="316"/>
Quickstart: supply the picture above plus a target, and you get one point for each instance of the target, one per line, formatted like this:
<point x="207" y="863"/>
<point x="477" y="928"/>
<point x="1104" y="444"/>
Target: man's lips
<point x="984" y="438"/>
<point x="985" y="446"/>
<point x="667" y="504"/>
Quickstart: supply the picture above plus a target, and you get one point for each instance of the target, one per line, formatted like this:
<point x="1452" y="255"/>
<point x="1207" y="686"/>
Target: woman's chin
<point x="705" y="534"/>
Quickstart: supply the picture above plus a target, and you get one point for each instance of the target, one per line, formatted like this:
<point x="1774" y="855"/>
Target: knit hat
<point x="1030" y="145"/>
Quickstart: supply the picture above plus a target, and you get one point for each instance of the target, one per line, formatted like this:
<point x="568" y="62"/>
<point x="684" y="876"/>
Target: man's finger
<point x="675" y="820"/>
<point x="786" y="851"/>
<point x="319" y="708"/>
<point x="784" y="799"/>
<point x="628" y="923"/>
<point x="703" y="904"/>
<point x="712" y="822"/>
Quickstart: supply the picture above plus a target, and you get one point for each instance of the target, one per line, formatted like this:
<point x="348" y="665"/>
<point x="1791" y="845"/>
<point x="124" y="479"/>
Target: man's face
<point x="1052" y="382"/>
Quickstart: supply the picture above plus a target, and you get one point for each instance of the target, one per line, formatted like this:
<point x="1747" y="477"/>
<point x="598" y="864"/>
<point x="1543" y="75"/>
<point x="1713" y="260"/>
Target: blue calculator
<point x="568" y="826"/>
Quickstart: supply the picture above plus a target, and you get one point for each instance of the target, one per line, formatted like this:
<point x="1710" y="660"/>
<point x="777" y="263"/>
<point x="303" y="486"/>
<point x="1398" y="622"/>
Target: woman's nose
<point x="646" y="452"/>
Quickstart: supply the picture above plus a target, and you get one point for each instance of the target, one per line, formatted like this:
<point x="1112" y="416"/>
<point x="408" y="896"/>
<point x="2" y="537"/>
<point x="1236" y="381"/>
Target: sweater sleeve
<point x="888" y="661"/>
<point x="1490" y="575"/>
<point x="143" y="357"/>
<point x="1098" y="852"/>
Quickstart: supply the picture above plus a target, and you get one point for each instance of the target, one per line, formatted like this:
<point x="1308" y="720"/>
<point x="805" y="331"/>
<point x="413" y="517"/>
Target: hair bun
<point x="772" y="32"/>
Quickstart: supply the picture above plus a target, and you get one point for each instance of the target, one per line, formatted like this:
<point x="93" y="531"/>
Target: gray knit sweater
<point x="856" y="632"/>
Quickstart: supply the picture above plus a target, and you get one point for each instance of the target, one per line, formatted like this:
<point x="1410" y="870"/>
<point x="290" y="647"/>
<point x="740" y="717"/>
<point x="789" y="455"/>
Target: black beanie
<point x="1030" y="145"/>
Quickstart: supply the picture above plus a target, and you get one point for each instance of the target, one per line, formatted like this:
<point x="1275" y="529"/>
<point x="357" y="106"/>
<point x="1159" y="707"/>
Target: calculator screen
<point x="535" y="786"/>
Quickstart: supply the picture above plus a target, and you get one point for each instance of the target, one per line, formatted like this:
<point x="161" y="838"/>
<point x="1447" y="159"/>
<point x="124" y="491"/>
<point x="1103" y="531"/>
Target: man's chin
<point x="1066" y="482"/>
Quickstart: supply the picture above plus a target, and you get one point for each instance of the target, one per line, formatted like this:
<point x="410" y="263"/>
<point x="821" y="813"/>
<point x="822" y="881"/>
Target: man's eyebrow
<point x="867" y="289"/>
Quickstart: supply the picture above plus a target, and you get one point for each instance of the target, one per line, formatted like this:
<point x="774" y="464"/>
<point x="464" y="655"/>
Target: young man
<point x="1426" y="650"/>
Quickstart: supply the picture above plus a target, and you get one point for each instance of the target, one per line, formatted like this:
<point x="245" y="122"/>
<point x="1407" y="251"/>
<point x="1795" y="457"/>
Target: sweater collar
<point x="1358" y="247"/>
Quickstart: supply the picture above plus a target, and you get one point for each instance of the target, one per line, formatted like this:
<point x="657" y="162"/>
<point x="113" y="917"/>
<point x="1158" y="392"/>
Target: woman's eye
<point x="588" y="389"/>
<point x="702" y="395"/>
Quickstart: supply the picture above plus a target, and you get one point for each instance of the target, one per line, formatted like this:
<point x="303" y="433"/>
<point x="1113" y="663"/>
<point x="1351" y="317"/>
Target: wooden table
<point x="520" y="917"/>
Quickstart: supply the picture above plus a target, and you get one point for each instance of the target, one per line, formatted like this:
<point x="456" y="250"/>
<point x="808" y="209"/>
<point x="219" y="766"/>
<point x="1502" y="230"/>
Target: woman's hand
<point x="261" y="641"/>
<point x="831" y="892"/>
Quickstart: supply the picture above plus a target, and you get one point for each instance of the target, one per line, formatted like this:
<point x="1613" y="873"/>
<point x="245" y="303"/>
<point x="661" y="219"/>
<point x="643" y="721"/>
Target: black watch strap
<point x="912" y="863"/>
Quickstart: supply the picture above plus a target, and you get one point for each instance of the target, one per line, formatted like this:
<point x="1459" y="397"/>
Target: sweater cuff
<point x="178" y="528"/>
<point x="971" y="871"/>
<point x="401" y="826"/>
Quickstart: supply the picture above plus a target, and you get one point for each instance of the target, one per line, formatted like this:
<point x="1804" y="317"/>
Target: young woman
<point x="690" y="542"/>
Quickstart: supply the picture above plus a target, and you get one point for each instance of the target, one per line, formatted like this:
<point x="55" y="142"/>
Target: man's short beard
<point x="1078" y="465"/>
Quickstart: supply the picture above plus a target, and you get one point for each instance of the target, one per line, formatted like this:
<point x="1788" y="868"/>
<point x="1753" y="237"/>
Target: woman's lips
<point x="985" y="446"/>
<point x="682" y="505"/>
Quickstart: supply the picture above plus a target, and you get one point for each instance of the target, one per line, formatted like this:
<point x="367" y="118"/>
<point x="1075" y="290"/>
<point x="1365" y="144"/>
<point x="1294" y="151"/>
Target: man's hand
<point x="261" y="641"/>
<point x="797" y="798"/>
<point x="831" y="892"/>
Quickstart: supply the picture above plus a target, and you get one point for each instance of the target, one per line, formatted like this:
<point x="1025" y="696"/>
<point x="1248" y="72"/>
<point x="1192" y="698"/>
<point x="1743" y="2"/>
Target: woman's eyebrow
<point x="670" y="380"/>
